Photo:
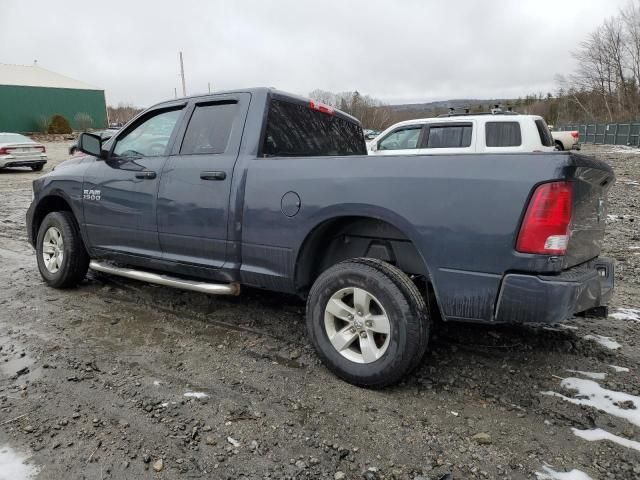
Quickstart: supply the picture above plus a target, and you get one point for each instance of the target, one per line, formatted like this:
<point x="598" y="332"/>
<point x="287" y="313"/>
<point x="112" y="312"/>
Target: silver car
<point x="19" y="151"/>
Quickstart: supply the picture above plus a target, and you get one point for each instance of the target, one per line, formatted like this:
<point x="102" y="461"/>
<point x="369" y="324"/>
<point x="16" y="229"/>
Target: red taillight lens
<point x="321" y="107"/>
<point x="545" y="228"/>
<point x="4" y="151"/>
<point x="41" y="148"/>
<point x="575" y="135"/>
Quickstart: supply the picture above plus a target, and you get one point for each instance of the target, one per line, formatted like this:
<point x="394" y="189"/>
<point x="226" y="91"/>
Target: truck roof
<point x="258" y="91"/>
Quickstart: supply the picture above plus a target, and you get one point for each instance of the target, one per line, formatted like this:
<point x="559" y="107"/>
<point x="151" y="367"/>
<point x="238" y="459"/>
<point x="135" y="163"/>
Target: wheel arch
<point x="383" y="236"/>
<point x="52" y="202"/>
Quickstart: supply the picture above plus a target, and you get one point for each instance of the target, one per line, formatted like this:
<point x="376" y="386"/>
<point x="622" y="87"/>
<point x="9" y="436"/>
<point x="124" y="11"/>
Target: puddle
<point x="606" y="342"/>
<point x="551" y="474"/>
<point x="13" y="466"/>
<point x="14" y="363"/>
<point x="591" y="394"/>
<point x="598" y="434"/>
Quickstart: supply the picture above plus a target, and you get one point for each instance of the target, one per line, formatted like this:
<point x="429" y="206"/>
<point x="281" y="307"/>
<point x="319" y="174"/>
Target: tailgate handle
<point x="213" y="175"/>
<point x="146" y="174"/>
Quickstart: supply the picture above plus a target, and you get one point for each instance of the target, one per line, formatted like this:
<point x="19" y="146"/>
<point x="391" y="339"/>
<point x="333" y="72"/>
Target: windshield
<point x="14" y="138"/>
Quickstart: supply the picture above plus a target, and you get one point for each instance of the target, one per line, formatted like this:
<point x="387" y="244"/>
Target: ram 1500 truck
<point x="261" y="188"/>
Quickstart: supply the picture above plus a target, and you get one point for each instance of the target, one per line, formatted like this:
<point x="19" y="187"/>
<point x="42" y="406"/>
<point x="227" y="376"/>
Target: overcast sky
<point x="399" y="51"/>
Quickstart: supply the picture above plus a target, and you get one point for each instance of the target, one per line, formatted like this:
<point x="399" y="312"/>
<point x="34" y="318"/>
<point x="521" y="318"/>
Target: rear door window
<point x="296" y="130"/>
<point x="209" y="128"/>
<point x="405" y="138"/>
<point x="503" y="134"/>
<point x="545" y="135"/>
<point x="455" y="135"/>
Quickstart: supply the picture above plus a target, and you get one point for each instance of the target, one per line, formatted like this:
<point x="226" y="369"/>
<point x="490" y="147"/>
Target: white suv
<point x="495" y="132"/>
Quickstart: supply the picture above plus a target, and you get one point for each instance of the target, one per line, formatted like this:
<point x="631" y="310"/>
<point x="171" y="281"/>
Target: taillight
<point x="575" y="135"/>
<point x="545" y="228"/>
<point x="321" y="107"/>
<point x="41" y="148"/>
<point x="5" y="151"/>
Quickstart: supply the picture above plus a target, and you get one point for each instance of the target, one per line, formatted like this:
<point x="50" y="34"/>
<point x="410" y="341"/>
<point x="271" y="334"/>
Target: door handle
<point x="213" y="175"/>
<point x="146" y="174"/>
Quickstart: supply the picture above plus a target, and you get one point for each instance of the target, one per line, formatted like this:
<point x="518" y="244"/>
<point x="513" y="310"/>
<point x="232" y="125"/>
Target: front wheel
<point x="62" y="259"/>
<point x="368" y="322"/>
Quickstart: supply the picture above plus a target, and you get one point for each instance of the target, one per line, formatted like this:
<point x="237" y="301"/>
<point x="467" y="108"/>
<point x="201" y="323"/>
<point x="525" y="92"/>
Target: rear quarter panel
<point x="462" y="212"/>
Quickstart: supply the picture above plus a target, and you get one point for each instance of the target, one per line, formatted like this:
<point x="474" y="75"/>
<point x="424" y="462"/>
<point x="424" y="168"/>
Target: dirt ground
<point x="118" y="379"/>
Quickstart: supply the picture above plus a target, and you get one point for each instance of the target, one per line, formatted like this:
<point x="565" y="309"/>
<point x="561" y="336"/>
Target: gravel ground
<point x="119" y="379"/>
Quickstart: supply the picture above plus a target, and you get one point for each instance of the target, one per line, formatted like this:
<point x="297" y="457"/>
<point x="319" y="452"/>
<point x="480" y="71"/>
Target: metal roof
<point x="36" y="76"/>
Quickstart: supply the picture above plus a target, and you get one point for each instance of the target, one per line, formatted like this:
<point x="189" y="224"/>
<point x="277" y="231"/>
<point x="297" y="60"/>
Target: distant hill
<point x="444" y="104"/>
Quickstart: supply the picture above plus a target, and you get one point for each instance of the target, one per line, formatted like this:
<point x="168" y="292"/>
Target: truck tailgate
<point x="592" y="180"/>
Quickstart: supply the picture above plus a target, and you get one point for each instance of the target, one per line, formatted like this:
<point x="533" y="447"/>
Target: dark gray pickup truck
<point x="265" y="189"/>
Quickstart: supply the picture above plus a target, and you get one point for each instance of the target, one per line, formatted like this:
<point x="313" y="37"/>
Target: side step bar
<point x="210" y="288"/>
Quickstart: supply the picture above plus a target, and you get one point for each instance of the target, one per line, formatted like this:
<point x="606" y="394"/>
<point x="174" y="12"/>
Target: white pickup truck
<point x="495" y="132"/>
<point x="565" y="140"/>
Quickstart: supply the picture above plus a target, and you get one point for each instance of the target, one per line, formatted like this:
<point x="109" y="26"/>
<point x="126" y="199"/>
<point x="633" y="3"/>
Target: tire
<point x="559" y="146"/>
<point x="71" y="267"/>
<point x="393" y="296"/>
<point x="37" y="168"/>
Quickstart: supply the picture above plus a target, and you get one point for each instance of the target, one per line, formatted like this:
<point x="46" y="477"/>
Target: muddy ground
<point x="95" y="381"/>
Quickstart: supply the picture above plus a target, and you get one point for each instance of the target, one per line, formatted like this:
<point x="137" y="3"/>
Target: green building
<point x="29" y="94"/>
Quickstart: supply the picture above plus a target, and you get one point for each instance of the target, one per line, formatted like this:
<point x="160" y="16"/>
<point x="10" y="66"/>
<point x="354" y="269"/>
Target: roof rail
<point x="496" y="110"/>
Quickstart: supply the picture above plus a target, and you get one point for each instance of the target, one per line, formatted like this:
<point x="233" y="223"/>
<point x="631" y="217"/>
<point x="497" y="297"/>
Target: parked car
<point x="105" y="134"/>
<point x="496" y="132"/>
<point x="566" y="140"/>
<point x="19" y="151"/>
<point x="261" y="188"/>
<point x="370" y="134"/>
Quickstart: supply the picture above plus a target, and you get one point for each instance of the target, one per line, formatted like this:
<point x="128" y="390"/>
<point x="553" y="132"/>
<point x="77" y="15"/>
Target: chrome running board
<point x="210" y="288"/>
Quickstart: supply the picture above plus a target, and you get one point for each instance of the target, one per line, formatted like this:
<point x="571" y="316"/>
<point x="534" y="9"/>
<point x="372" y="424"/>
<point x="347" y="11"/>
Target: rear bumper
<point x="554" y="298"/>
<point x="22" y="161"/>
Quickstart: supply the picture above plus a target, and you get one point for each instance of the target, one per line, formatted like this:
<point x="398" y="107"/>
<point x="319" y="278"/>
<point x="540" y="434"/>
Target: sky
<point x="403" y="51"/>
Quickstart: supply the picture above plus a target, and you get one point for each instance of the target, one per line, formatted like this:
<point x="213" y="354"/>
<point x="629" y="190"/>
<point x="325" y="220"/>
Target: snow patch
<point x="568" y="327"/>
<point x="13" y="466"/>
<point x="594" y="375"/>
<point x="591" y="394"/>
<point x="550" y="474"/>
<point x="606" y="342"/>
<point x="196" y="394"/>
<point x="619" y="369"/>
<point x="157" y="383"/>
<point x="627" y="314"/>
<point x="598" y="434"/>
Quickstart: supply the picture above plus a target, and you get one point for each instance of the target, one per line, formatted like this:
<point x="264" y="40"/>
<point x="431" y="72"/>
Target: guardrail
<point x="607" y="133"/>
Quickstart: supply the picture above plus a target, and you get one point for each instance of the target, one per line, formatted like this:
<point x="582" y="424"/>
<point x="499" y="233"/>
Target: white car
<point x="495" y="132"/>
<point x="19" y="151"/>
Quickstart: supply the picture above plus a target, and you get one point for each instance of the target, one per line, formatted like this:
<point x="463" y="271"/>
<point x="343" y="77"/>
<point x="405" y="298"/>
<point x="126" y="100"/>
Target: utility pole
<point x="184" y="87"/>
<point x="175" y="92"/>
<point x="209" y="85"/>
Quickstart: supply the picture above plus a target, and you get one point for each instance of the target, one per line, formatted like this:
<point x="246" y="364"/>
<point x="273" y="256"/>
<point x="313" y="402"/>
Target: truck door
<point x="120" y="192"/>
<point x="193" y="196"/>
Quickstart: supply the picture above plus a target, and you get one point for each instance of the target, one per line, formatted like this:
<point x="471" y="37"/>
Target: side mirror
<point x="91" y="145"/>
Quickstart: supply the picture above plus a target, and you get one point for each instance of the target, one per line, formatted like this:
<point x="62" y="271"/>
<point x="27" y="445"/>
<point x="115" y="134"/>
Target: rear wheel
<point x="62" y="259"/>
<point x="37" y="168"/>
<point x="559" y="145"/>
<point x="368" y="322"/>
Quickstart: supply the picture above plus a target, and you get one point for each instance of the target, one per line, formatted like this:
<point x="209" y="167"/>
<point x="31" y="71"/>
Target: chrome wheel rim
<point x="357" y="325"/>
<point x="52" y="249"/>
